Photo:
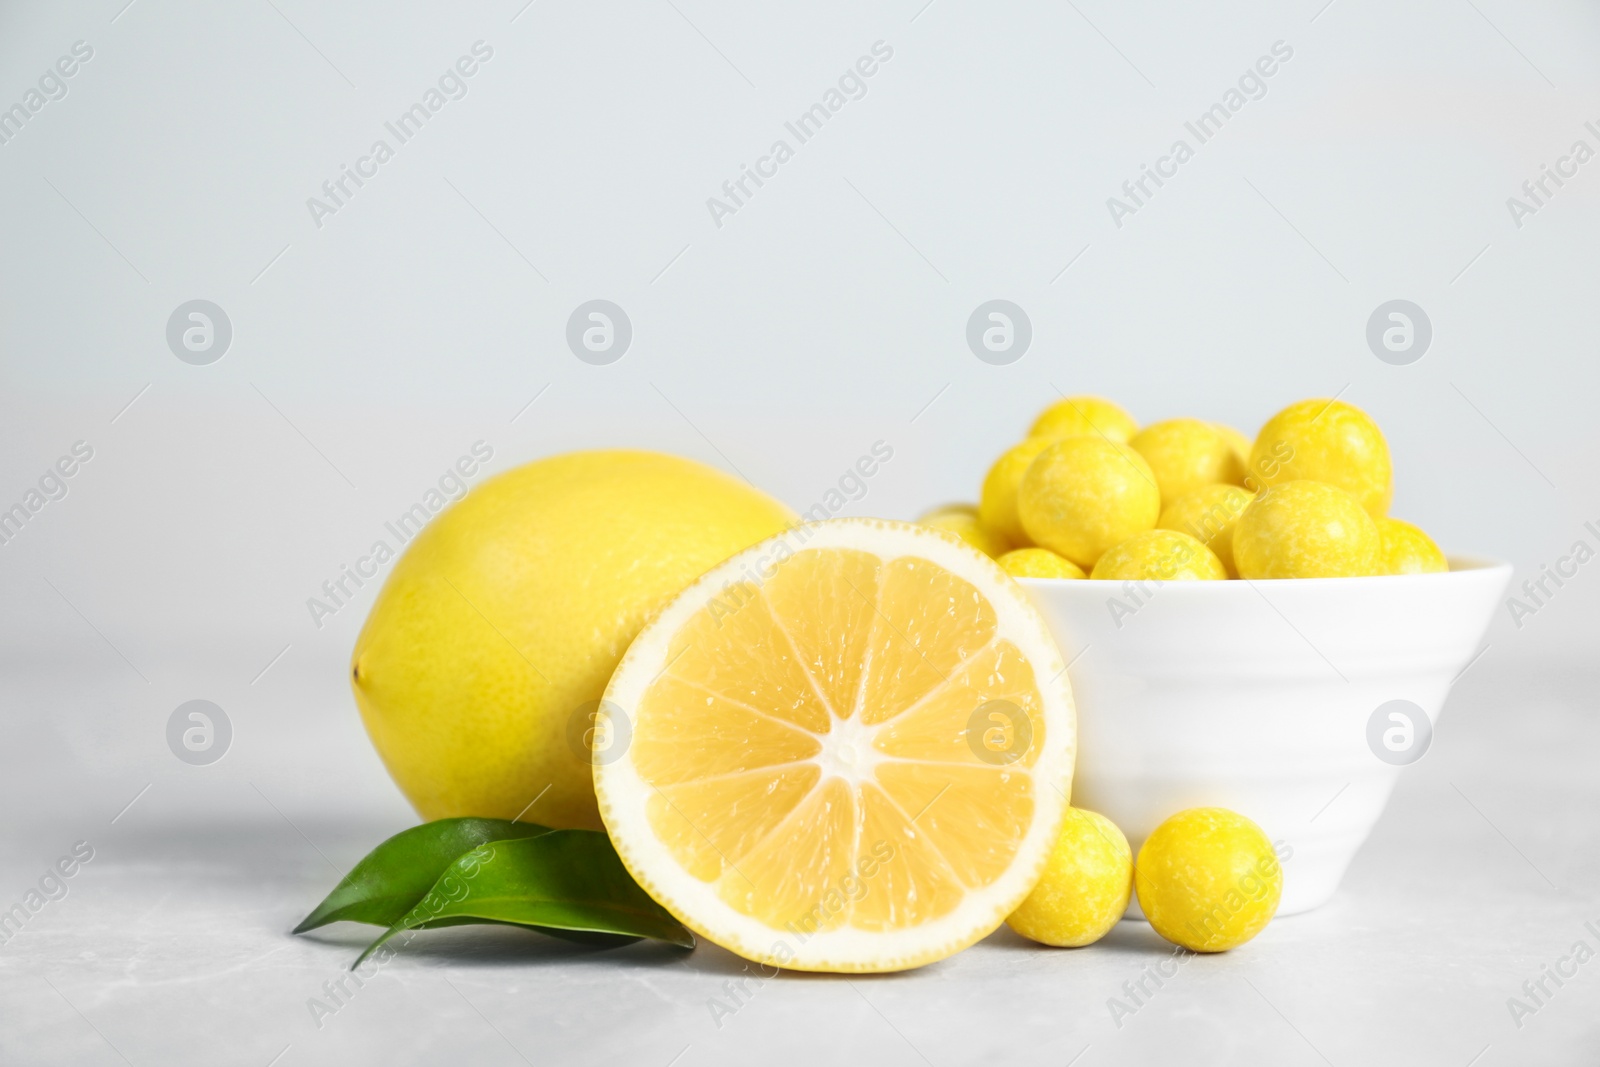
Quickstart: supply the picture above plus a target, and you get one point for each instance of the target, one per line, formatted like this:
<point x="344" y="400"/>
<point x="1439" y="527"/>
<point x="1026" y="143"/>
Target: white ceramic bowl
<point x="1257" y="696"/>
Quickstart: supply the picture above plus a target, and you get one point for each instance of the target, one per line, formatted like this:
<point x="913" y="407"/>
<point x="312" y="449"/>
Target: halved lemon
<point x="849" y="748"/>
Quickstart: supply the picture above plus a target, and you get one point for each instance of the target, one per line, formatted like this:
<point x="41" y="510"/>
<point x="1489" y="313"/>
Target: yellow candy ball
<point x="1084" y="494"/>
<point x="1077" y="415"/>
<point x="1209" y="514"/>
<point x="948" y="509"/>
<point x="1187" y="454"/>
<point x="1239" y="443"/>
<point x="1325" y="441"/>
<point x="1305" y="529"/>
<point x="1208" y="879"/>
<point x="1160" y="556"/>
<point x="1038" y="563"/>
<point x="1407" y="550"/>
<point x="997" y="501"/>
<point x="1085" y="887"/>
<point x="967" y="527"/>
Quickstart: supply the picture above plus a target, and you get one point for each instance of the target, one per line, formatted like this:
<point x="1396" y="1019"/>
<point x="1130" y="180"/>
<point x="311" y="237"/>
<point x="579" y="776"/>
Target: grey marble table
<point x="171" y="945"/>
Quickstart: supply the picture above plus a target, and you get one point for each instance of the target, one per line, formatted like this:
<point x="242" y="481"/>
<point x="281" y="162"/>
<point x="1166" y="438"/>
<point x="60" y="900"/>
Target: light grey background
<point x="829" y="313"/>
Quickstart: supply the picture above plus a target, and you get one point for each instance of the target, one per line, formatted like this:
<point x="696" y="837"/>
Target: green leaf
<point x="396" y="875"/>
<point x="577" y="937"/>
<point x="566" y="880"/>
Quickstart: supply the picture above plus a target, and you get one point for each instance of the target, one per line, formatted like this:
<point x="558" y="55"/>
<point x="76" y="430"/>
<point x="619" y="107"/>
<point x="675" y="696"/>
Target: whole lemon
<point x="1075" y="415"/>
<point x="1209" y="514"/>
<point x="1187" y="454"/>
<point x="1084" y="494"/>
<point x="494" y="637"/>
<point x="1325" y="441"/>
<point x="1160" y="556"/>
<point x="1407" y="550"/>
<point x="1208" y="879"/>
<point x="1305" y="529"/>
<point x="1085" y="887"/>
<point x="1038" y="563"/>
<point x="997" y="501"/>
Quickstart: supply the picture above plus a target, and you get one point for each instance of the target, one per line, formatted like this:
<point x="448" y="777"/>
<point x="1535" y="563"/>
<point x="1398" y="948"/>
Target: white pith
<point x="848" y="753"/>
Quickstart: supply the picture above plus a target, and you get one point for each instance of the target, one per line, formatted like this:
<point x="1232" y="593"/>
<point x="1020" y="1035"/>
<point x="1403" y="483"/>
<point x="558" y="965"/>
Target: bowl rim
<point x="1462" y="569"/>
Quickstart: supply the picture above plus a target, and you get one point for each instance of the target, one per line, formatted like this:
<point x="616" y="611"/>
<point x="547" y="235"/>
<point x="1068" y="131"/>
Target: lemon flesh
<point x="851" y="749"/>
<point x="479" y="667"/>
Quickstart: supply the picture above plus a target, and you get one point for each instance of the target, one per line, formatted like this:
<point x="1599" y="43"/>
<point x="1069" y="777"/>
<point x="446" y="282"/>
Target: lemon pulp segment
<point x="851" y="745"/>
